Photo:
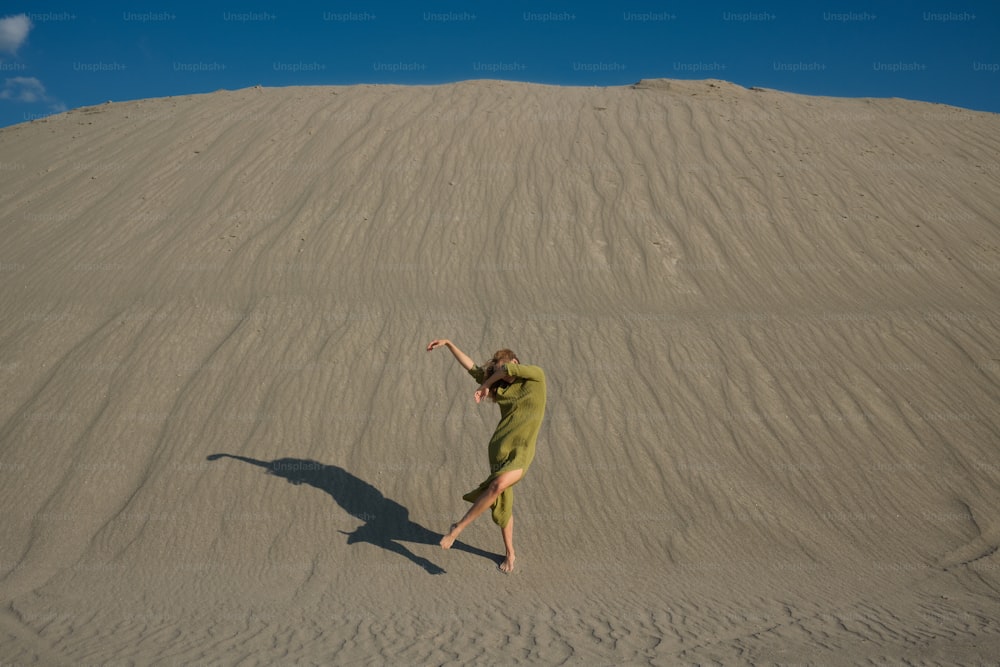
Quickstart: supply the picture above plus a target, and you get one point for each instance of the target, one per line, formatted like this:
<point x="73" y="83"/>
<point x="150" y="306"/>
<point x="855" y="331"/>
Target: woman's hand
<point x="481" y="393"/>
<point x="436" y="343"/>
<point x="462" y="358"/>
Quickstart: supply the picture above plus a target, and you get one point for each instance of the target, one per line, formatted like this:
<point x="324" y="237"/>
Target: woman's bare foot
<point x="508" y="565"/>
<point x="450" y="538"/>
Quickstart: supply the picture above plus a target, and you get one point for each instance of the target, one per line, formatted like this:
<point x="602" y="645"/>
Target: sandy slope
<point x="768" y="322"/>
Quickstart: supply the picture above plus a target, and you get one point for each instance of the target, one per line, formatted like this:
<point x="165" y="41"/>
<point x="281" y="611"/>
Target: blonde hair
<point x="499" y="357"/>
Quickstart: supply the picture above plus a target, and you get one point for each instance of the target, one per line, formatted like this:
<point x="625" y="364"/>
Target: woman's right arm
<point x="461" y="357"/>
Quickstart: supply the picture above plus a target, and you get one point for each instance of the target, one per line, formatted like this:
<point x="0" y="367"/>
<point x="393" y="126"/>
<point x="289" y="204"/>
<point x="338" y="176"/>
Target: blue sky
<point x="62" y="56"/>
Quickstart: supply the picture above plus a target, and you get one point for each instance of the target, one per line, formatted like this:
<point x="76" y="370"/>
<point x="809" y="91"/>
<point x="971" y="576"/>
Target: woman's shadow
<point x="386" y="522"/>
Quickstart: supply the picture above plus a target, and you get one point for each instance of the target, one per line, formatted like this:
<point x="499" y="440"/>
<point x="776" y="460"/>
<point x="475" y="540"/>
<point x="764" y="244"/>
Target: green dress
<point x="512" y="447"/>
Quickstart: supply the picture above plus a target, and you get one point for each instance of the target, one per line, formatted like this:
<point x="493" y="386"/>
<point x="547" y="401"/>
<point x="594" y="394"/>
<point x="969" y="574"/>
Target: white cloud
<point x="13" y="31"/>
<point x="24" y="89"/>
<point x="29" y="90"/>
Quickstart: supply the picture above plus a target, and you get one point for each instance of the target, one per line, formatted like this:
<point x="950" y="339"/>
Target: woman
<point x="519" y="391"/>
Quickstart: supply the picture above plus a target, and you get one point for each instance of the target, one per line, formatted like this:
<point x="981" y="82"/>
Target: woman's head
<point x="499" y="358"/>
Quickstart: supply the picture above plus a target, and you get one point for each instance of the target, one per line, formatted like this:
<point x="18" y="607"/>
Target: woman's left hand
<point x="481" y="393"/>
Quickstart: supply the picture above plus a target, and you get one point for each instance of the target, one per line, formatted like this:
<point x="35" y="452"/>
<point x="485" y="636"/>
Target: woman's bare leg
<point x="483" y="502"/>
<point x="508" y="542"/>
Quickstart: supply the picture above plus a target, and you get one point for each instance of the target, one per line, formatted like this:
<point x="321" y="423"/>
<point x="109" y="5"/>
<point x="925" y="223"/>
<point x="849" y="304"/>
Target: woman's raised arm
<point x="460" y="356"/>
<point x="486" y="387"/>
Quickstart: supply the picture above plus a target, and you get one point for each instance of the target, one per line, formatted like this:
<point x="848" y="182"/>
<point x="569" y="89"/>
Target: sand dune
<point x="769" y="324"/>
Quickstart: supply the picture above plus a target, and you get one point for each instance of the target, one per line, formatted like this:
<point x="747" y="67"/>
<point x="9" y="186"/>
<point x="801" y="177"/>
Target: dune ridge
<point x="768" y="322"/>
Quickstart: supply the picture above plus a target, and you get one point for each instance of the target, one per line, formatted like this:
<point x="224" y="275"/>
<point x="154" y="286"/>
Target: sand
<point x="768" y="321"/>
